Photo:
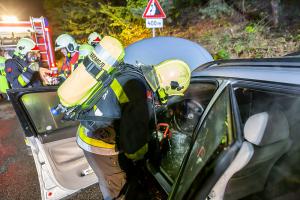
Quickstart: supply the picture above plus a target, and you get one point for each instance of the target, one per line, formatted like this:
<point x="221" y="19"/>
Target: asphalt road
<point x="18" y="177"/>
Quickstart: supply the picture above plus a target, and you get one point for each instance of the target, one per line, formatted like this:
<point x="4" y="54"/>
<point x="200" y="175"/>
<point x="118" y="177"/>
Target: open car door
<point x="61" y="166"/>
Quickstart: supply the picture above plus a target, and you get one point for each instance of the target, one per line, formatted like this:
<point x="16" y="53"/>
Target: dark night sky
<point x="22" y="8"/>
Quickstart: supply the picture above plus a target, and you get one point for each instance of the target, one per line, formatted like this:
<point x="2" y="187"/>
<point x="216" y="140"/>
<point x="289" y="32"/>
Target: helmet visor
<point x="94" y="44"/>
<point x="150" y="76"/>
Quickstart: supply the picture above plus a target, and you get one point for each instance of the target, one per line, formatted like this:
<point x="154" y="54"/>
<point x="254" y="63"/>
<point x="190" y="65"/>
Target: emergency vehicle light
<point x="10" y="18"/>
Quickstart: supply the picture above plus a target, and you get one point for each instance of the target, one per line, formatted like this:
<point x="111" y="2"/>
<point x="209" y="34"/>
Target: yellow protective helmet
<point x="171" y="77"/>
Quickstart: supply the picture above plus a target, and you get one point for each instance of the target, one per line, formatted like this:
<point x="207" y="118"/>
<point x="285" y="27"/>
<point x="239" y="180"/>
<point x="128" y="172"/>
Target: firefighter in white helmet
<point x="114" y="102"/>
<point x="22" y="70"/>
<point x="94" y="39"/>
<point x="70" y="49"/>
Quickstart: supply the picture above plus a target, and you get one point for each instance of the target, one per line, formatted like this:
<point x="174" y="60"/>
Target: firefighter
<point x="94" y="39"/>
<point x="114" y="132"/>
<point x="22" y="69"/>
<point x="84" y="50"/>
<point x="70" y="49"/>
<point x="3" y="82"/>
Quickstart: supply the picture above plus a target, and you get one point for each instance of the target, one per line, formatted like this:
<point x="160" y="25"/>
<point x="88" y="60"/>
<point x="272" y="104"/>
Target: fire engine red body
<point x="36" y="29"/>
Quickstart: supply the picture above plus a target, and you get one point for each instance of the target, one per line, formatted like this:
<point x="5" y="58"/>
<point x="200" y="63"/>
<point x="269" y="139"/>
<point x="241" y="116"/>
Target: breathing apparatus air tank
<point x="91" y="76"/>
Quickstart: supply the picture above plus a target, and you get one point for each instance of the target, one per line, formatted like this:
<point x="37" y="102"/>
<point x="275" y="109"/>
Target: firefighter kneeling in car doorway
<point x="113" y="102"/>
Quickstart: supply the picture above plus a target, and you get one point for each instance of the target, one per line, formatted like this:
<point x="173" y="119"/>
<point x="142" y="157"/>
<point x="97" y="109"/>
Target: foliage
<point x="248" y="40"/>
<point x="226" y="28"/>
<point x="215" y="9"/>
<point x="221" y="54"/>
<point x="80" y="18"/>
<point x="250" y="29"/>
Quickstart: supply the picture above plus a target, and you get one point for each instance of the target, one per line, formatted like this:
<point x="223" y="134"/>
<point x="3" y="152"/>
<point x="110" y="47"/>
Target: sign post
<point x="154" y="15"/>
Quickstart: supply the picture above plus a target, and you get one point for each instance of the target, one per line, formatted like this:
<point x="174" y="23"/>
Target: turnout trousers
<point x="111" y="176"/>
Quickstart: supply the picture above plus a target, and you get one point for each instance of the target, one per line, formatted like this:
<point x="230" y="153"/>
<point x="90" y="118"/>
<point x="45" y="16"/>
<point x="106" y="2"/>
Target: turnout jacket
<point x="69" y="65"/>
<point x="19" y="75"/>
<point x="120" y="119"/>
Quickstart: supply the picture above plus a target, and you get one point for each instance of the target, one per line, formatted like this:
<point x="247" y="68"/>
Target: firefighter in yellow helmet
<point x="113" y="102"/>
<point x="23" y="70"/>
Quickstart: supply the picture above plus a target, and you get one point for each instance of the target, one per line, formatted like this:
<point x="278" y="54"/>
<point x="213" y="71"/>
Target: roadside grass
<point x="226" y="39"/>
<point x="226" y="33"/>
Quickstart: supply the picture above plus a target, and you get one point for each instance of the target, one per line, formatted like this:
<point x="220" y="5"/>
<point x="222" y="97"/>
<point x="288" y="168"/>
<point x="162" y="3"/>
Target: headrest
<point x="266" y="128"/>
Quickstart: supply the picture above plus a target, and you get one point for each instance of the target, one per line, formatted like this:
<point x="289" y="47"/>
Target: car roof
<point x="282" y="70"/>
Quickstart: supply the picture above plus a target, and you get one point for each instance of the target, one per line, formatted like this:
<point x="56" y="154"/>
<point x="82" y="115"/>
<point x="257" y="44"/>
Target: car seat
<point x="266" y="140"/>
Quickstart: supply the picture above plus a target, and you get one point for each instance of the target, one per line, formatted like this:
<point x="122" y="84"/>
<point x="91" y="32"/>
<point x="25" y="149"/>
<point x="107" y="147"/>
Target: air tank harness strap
<point x="95" y="70"/>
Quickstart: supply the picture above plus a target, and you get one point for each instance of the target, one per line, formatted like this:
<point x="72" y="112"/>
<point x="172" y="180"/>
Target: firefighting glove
<point x="34" y="66"/>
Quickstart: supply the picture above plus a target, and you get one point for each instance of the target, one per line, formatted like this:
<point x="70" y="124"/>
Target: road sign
<point x="154" y="10"/>
<point x="154" y="23"/>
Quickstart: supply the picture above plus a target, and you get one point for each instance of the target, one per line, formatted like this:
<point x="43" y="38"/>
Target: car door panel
<point x="59" y="160"/>
<point x="60" y="134"/>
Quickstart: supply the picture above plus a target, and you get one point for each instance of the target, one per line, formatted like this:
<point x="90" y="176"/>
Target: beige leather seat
<point x="266" y="140"/>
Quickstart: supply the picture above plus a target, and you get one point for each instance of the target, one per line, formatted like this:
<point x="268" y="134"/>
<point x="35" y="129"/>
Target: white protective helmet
<point x="24" y="46"/>
<point x="94" y="38"/>
<point x="65" y="41"/>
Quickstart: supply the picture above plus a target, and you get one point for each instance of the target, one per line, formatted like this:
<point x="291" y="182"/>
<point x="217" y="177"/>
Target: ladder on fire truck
<point x="43" y="40"/>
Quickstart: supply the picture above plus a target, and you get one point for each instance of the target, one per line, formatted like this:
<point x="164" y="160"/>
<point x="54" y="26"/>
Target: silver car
<point x="234" y="135"/>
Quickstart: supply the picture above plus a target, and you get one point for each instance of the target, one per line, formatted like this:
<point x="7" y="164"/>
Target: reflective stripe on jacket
<point x="115" y="92"/>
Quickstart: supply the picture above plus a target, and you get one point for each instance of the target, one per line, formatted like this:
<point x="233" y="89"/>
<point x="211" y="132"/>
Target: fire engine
<point x="36" y="29"/>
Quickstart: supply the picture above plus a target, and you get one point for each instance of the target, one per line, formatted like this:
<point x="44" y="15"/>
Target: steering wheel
<point x="186" y="115"/>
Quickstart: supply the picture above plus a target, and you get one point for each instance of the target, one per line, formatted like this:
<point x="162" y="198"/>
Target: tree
<point x="79" y="18"/>
<point x="275" y="12"/>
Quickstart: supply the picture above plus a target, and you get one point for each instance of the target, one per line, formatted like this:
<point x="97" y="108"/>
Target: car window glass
<point x="276" y="159"/>
<point x="182" y="116"/>
<point x="38" y="106"/>
<point x="213" y="137"/>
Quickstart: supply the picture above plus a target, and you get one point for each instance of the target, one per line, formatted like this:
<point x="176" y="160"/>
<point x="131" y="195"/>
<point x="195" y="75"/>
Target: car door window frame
<point x="225" y="158"/>
<point x="25" y="119"/>
<point x="159" y="175"/>
<point x="256" y="85"/>
<point x="268" y="86"/>
<point x="195" y="81"/>
<point x="232" y="149"/>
